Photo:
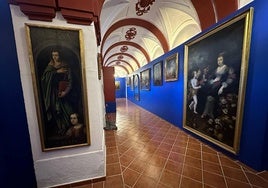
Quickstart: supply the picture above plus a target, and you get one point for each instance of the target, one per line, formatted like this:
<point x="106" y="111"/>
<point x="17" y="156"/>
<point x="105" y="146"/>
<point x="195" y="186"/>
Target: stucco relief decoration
<point x="118" y="63"/>
<point x="120" y="57"/>
<point x="123" y="49"/>
<point x="131" y="33"/>
<point x="143" y="6"/>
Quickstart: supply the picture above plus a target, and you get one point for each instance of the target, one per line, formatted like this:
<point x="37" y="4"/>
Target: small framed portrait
<point x="128" y="80"/>
<point x="171" y="68"/>
<point x="136" y="85"/>
<point x="146" y="79"/>
<point x="131" y="79"/>
<point x="117" y="85"/>
<point x="158" y="74"/>
<point x="99" y="62"/>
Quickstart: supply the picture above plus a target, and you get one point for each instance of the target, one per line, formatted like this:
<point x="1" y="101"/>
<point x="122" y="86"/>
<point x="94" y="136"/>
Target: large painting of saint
<point x="57" y="64"/>
<point x="215" y="72"/>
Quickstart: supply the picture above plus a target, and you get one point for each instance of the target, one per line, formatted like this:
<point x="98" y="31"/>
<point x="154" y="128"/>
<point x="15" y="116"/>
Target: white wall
<point x="242" y="3"/>
<point x="74" y="164"/>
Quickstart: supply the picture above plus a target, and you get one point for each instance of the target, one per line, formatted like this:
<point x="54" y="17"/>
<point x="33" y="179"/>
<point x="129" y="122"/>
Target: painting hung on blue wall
<point x="136" y="85"/>
<point x="145" y="79"/>
<point x="117" y="85"/>
<point x="215" y="72"/>
<point x="171" y="68"/>
<point x="128" y="79"/>
<point x="131" y="82"/>
<point x="57" y="66"/>
<point x="158" y="74"/>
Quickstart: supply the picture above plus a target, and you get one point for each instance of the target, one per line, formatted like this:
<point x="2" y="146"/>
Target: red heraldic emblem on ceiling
<point x="143" y="6"/>
<point x="120" y="57"/>
<point x="131" y="33"/>
<point x="123" y="49"/>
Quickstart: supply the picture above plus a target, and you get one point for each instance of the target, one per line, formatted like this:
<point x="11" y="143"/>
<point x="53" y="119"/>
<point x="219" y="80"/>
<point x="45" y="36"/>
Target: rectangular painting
<point x="99" y="62"/>
<point x="136" y="85"/>
<point x="171" y="68"/>
<point x="215" y="75"/>
<point x="158" y="74"/>
<point x="58" y="73"/>
<point x="128" y="80"/>
<point x="146" y="79"/>
<point x="117" y="85"/>
<point x="131" y="82"/>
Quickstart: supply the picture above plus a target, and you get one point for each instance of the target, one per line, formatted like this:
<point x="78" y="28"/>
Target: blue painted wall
<point x="121" y="92"/>
<point x="16" y="163"/>
<point x="254" y="139"/>
<point x="166" y="101"/>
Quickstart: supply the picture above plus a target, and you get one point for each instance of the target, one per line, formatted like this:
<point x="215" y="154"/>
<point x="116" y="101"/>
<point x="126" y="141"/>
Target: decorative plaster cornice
<point x="82" y="12"/>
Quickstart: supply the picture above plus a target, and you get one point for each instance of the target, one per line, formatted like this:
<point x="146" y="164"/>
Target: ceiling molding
<point x="225" y="8"/>
<point x="120" y="61"/>
<point x="214" y="11"/>
<point x="153" y="22"/>
<point x="126" y="54"/>
<point x="141" y="23"/>
<point x="122" y="67"/>
<point x="82" y="12"/>
<point x="127" y="43"/>
<point x="37" y="10"/>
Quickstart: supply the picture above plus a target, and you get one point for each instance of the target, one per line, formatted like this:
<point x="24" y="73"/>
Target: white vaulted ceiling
<point x="132" y="33"/>
<point x="135" y="32"/>
<point x="164" y="26"/>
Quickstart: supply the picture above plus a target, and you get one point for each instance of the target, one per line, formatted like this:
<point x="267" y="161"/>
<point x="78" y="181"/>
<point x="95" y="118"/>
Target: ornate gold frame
<point x="171" y="68"/>
<point x="41" y="40"/>
<point x="145" y="79"/>
<point x="221" y="127"/>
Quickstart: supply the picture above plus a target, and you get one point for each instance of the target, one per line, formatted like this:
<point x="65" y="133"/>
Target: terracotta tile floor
<point x="147" y="151"/>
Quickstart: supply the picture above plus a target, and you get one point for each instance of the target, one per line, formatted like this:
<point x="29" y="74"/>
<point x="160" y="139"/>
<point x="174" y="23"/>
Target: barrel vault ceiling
<point x="135" y="32"/>
<point x="132" y="33"/>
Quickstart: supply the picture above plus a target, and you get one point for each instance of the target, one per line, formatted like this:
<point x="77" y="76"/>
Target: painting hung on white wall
<point x="58" y="72"/>
<point x="215" y="72"/>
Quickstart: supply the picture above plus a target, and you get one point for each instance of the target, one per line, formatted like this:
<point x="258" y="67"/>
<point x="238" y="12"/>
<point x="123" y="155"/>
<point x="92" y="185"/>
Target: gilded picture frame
<point x="158" y="73"/>
<point x="99" y="64"/>
<point x="57" y="64"/>
<point x="171" y="68"/>
<point x="145" y="79"/>
<point x="117" y="85"/>
<point x="215" y="75"/>
<point x="136" y="85"/>
<point x="128" y="81"/>
<point x="131" y="82"/>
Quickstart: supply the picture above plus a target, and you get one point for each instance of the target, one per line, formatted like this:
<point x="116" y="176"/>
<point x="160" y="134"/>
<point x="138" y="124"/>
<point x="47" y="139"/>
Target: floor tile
<point x="149" y="152"/>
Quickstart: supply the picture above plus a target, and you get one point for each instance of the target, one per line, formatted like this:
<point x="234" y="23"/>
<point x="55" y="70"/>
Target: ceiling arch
<point x="125" y="62"/>
<point x="121" y="66"/>
<point x="128" y="43"/>
<point x="123" y="54"/>
<point x="160" y="26"/>
<point x="137" y="22"/>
